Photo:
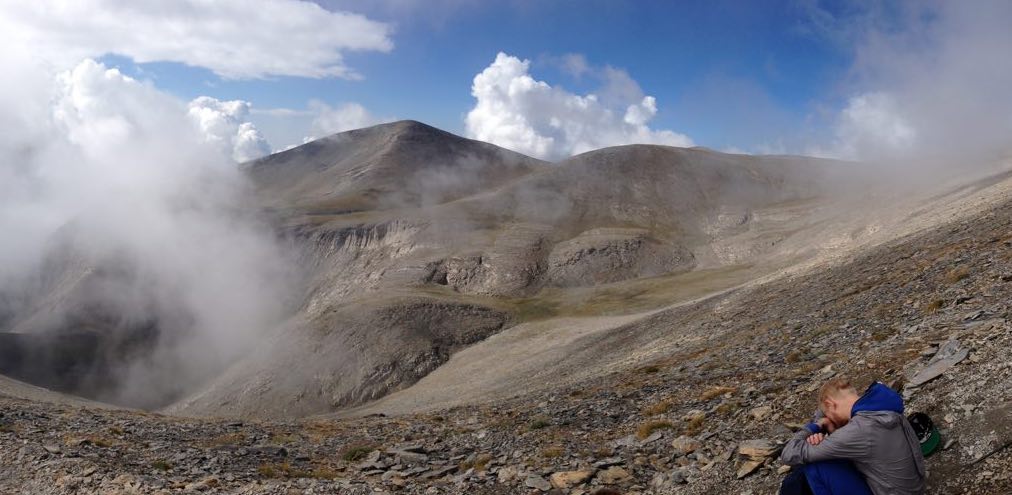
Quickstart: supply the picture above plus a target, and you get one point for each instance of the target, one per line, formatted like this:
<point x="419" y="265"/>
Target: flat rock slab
<point x="538" y="483"/>
<point x="948" y="355"/>
<point x="985" y="434"/>
<point x="758" y="449"/>
<point x="567" y="479"/>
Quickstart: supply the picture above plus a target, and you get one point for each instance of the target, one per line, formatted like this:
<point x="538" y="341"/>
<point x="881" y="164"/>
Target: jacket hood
<point x="878" y="398"/>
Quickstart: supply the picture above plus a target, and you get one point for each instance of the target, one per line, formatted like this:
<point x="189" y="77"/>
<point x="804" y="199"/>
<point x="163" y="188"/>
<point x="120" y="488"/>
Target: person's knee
<point x="795" y="484"/>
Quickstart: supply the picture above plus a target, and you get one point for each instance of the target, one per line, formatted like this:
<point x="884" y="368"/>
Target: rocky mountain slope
<point x="721" y="385"/>
<point x="398" y="284"/>
<point x="470" y="320"/>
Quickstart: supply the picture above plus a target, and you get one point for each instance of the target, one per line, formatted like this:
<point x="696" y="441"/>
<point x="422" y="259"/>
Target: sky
<point x="546" y="78"/>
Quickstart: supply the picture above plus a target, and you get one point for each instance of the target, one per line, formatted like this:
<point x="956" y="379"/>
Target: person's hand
<point x="826" y="425"/>
<point x="815" y="438"/>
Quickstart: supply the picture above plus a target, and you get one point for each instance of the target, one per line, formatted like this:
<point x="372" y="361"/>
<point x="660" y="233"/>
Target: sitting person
<point x="857" y="445"/>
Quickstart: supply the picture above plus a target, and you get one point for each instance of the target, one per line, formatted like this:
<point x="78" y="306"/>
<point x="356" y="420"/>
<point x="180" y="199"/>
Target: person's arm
<point x="848" y="442"/>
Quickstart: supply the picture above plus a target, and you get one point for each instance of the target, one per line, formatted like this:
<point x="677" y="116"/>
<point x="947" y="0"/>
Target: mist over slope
<point x="399" y="245"/>
<point x="578" y="315"/>
<point x="133" y="265"/>
<point x="404" y="270"/>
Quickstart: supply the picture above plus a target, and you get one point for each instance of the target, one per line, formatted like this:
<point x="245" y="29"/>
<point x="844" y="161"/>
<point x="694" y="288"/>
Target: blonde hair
<point x="833" y="387"/>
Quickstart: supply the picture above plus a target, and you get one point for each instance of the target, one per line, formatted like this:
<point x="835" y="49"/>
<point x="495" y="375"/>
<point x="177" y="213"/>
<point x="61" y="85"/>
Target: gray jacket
<point x="881" y="444"/>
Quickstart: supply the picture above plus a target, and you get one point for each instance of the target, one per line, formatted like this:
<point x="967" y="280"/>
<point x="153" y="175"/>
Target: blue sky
<point x="855" y="79"/>
<point x="728" y="74"/>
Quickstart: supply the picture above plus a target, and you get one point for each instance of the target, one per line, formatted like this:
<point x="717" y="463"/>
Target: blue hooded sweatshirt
<point x="876" y="452"/>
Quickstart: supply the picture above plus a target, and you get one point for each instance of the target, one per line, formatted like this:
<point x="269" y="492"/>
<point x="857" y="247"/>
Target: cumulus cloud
<point x="224" y="124"/>
<point x="518" y="112"/>
<point x="232" y="38"/>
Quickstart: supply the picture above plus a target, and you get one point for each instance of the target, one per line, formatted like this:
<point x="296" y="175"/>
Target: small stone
<point x="409" y="457"/>
<point x="508" y="474"/>
<point x="658" y="481"/>
<point x="652" y="438"/>
<point x="609" y="462"/>
<point x="684" y="445"/>
<point x="760" y="413"/>
<point x="564" y="480"/>
<point x="538" y="483"/>
<point x="784" y="469"/>
<point x="613" y="475"/>
<point x="747" y="468"/>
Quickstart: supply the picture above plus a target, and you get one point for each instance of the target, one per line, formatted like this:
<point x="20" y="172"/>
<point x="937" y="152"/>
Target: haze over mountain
<point x="434" y="271"/>
<point x="413" y="243"/>
<point x="626" y="247"/>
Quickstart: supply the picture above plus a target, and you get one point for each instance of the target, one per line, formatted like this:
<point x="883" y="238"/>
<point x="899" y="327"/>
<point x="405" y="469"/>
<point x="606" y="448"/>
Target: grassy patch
<point x="957" y="274"/>
<point x="658" y="408"/>
<point x="356" y="453"/>
<point x="881" y="334"/>
<point x="552" y="452"/>
<point x="283" y="438"/>
<point x="319" y="431"/>
<point x="162" y="465"/>
<point x="713" y="392"/>
<point x="96" y="440"/>
<point x="227" y="439"/>
<point x="286" y="470"/>
<point x="934" y="306"/>
<point x="794" y="357"/>
<point x="480" y="463"/>
<point x="648" y="428"/>
<point x="694" y="425"/>
<point x="728" y="408"/>
<point x="538" y="424"/>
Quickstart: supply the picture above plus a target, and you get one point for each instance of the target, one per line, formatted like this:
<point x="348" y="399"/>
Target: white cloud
<point x="575" y="64"/>
<point x="345" y="117"/>
<point x="120" y="169"/>
<point x="223" y="123"/>
<point x="932" y="83"/>
<point x="518" y="112"/>
<point x="233" y="38"/>
<point x="871" y="127"/>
